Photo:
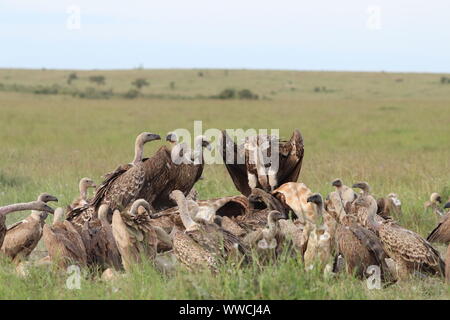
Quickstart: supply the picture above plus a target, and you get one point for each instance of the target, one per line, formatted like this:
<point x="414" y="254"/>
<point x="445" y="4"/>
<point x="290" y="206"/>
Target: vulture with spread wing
<point x="249" y="163"/>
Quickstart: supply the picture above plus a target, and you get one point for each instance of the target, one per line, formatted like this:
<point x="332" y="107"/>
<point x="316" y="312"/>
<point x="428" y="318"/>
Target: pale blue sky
<point x="395" y="35"/>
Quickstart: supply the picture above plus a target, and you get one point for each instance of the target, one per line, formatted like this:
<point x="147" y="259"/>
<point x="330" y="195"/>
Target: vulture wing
<point x="290" y="161"/>
<point x="441" y="233"/>
<point x="235" y="164"/>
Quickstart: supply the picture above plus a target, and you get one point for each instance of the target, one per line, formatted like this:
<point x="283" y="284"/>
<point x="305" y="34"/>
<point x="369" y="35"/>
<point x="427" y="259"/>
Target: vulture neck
<point x="83" y="191"/>
<point x="138" y="151"/>
<point x="186" y="218"/>
<point x="272" y="224"/>
<point x="373" y="223"/>
<point x="58" y="216"/>
<point x="17" y="207"/>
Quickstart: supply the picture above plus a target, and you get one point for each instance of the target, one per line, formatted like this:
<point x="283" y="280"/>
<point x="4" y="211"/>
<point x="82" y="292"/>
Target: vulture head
<point x="45" y="197"/>
<point x="447" y="205"/>
<point x="86" y="183"/>
<point x="172" y="137"/>
<point x="337" y="183"/>
<point x="316" y="198"/>
<point x="145" y="137"/>
<point x="364" y="186"/>
<point x="203" y="142"/>
<point x="136" y="210"/>
<point x="435" y="198"/>
<point x="395" y="199"/>
<point x="275" y="215"/>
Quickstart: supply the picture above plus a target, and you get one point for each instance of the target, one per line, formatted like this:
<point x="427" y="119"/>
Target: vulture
<point x="248" y="163"/>
<point x="121" y="186"/>
<point x="98" y="239"/>
<point x="359" y="247"/>
<point x="441" y="233"/>
<point x="409" y="250"/>
<point x="182" y="175"/>
<point x="63" y="242"/>
<point x="83" y="186"/>
<point x="391" y="205"/>
<point x="22" y="237"/>
<point x="34" y="205"/>
<point x="433" y="204"/>
<point x="361" y="213"/>
<point x="135" y="236"/>
<point x="318" y="236"/>
<point x="346" y="193"/>
<point x="269" y="237"/>
<point x="202" y="244"/>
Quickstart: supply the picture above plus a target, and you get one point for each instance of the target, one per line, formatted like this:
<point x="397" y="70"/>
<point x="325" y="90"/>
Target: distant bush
<point x="445" y="80"/>
<point x="131" y="94"/>
<point x="244" y="94"/>
<point x="321" y="89"/>
<point x="172" y="85"/>
<point x="247" y="94"/>
<point x="140" y="83"/>
<point x="73" y="76"/>
<point x="200" y="74"/>
<point x="227" y="94"/>
<point x="47" y="89"/>
<point x="100" y="80"/>
<point x="92" y="93"/>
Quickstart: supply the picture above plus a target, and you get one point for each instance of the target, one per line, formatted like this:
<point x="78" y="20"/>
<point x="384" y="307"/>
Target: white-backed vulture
<point x="346" y="193"/>
<point x="120" y="187"/>
<point x="359" y="247"/>
<point x="135" y="236"/>
<point x="181" y="176"/>
<point x="268" y="241"/>
<point x="82" y="199"/>
<point x="101" y="248"/>
<point x="63" y="242"/>
<point x="433" y="204"/>
<point x="249" y="166"/>
<point x="361" y="212"/>
<point x="34" y="205"/>
<point x="389" y="206"/>
<point x="202" y="244"/>
<point x="318" y="236"/>
<point x="441" y="233"/>
<point x="22" y="237"/>
<point x="408" y="249"/>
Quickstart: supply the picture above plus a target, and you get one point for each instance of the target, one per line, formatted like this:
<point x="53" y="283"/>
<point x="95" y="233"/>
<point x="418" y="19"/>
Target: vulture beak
<point x="336" y="183"/>
<point x="314" y="198"/>
<point x="357" y="185"/>
<point x="438" y="199"/>
<point x="154" y="136"/>
<point x="447" y="205"/>
<point x="94" y="185"/>
<point x="53" y="198"/>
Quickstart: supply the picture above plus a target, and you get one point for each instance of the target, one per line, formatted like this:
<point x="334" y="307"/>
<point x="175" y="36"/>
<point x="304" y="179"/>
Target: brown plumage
<point x="408" y="249"/>
<point x="34" y="205"/>
<point x="135" y="237"/>
<point x="202" y="244"/>
<point x="447" y="266"/>
<point x="249" y="170"/>
<point x="101" y="248"/>
<point x="358" y="246"/>
<point x="441" y="233"/>
<point x="121" y="186"/>
<point x="82" y="199"/>
<point x="63" y="242"/>
<point x="389" y="206"/>
<point x="22" y="237"/>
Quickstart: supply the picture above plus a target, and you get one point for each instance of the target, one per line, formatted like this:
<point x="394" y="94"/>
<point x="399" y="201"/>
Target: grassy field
<point x="392" y="130"/>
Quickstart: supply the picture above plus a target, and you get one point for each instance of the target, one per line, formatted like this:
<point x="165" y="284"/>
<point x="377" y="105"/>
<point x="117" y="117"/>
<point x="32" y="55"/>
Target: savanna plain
<point x="391" y="130"/>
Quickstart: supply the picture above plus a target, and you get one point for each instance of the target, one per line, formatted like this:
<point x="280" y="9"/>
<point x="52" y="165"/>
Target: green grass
<point x="366" y="126"/>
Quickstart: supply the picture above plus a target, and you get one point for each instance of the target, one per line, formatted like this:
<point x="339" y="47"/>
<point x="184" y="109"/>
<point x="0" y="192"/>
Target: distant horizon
<point x="240" y="69"/>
